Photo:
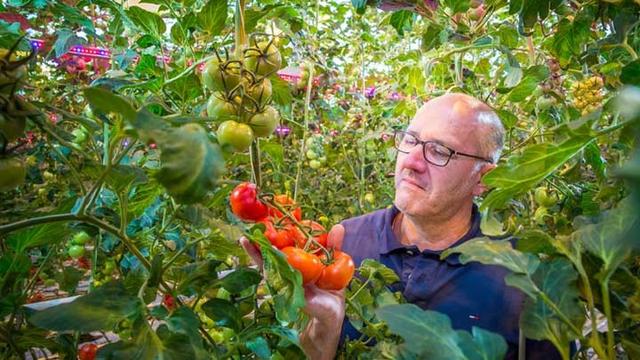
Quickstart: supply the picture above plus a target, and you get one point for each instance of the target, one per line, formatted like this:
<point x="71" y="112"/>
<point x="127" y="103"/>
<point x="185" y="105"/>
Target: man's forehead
<point x="451" y="121"/>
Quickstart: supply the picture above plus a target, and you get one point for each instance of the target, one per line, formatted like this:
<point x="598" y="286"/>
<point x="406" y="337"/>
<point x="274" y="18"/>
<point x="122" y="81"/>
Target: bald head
<point x="470" y="114"/>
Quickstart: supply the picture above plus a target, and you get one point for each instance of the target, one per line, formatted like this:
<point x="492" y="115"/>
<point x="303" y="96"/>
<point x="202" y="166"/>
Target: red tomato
<point x="169" y="302"/>
<point x="88" y="352"/>
<point x="245" y="204"/>
<point x="336" y="276"/>
<point x="279" y="238"/>
<point x="314" y="229"/>
<point x="308" y="264"/>
<point x="289" y="205"/>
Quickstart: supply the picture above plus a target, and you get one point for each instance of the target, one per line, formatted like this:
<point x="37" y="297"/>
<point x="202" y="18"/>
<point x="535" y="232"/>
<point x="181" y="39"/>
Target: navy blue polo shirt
<point x="471" y="294"/>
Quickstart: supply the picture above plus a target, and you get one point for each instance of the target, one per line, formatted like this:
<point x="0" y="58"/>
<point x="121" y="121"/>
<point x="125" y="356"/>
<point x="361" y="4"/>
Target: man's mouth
<point x="412" y="182"/>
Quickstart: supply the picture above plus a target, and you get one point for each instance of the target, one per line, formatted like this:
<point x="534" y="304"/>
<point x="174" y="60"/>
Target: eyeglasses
<point x="434" y="153"/>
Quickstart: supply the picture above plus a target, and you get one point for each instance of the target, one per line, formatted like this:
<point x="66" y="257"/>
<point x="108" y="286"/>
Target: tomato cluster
<point x="14" y="112"/>
<point x="241" y="94"/>
<point x="304" y="242"/>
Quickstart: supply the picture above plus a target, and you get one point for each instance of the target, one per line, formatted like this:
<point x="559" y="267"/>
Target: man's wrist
<point x="320" y="338"/>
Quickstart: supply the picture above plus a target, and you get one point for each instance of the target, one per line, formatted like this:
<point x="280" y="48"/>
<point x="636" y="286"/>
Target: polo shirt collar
<point x="389" y="243"/>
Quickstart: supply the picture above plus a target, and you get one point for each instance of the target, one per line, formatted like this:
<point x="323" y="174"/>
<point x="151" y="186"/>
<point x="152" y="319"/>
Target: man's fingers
<point x="252" y="251"/>
<point x="336" y="234"/>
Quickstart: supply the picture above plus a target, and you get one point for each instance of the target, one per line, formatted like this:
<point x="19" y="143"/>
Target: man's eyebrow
<point x="415" y="133"/>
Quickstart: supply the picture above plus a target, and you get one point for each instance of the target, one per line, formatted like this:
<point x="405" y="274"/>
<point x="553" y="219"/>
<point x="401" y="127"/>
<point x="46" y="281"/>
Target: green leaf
<point x="101" y="309"/>
<point x="148" y="21"/>
<point x="184" y="321"/>
<point x="72" y="16"/>
<point x="66" y="40"/>
<point x="281" y="92"/>
<point x="482" y="344"/>
<point x="284" y="283"/>
<point x="500" y="252"/>
<point x="69" y="278"/>
<point x="274" y="150"/>
<point x="370" y="268"/>
<point x="508" y="118"/>
<point x="39" y="235"/>
<point x="199" y="276"/>
<point x="593" y="156"/>
<point x="191" y="163"/>
<point x="570" y="36"/>
<point x="241" y="279"/>
<point x="558" y="281"/>
<point x="522" y="172"/>
<point x="429" y="335"/>
<point x="535" y="241"/>
<point x="360" y="5"/>
<point x="259" y="346"/>
<point x="186" y="88"/>
<point x="523" y="89"/>
<point x="213" y="16"/>
<point x="402" y="21"/>
<point x="121" y="177"/>
<point x="431" y="37"/>
<point x="104" y="101"/>
<point x="534" y="10"/>
<point x="631" y="73"/>
<point x="610" y="239"/>
<point x="223" y="312"/>
<point x="457" y="6"/>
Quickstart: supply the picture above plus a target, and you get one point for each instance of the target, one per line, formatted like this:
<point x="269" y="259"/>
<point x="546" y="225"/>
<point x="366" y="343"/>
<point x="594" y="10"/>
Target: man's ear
<point x="480" y="187"/>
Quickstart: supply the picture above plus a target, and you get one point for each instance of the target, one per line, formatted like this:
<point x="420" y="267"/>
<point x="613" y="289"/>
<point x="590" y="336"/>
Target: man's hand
<point x="325" y="308"/>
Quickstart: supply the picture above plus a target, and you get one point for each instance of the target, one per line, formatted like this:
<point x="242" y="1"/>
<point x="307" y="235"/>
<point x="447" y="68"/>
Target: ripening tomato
<point x="245" y="203"/>
<point x="169" y="302"/>
<point x="338" y="273"/>
<point x="286" y="202"/>
<point x="280" y="238"/>
<point x="317" y="231"/>
<point x="88" y="352"/>
<point x="308" y="264"/>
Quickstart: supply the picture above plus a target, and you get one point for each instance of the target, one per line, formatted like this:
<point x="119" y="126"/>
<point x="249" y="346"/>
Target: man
<point x="452" y="141"/>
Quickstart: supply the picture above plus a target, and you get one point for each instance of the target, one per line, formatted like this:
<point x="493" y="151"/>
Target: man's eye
<point x="410" y="141"/>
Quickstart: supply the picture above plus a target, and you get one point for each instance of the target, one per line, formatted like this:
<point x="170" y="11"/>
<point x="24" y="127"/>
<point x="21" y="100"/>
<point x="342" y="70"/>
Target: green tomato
<point x="315" y="164"/>
<point x="222" y="76"/>
<point x="80" y="238"/>
<point x="311" y="155"/>
<point x="260" y="92"/>
<point x="264" y="123"/>
<point x="263" y="59"/>
<point x="50" y="283"/>
<point x="219" y="108"/>
<point x="368" y="197"/>
<point x="239" y="136"/>
<point x="109" y="266"/>
<point x="76" y="251"/>
<point x="545" y="102"/>
<point x="540" y="215"/>
<point x="322" y="159"/>
<point x="544" y="198"/>
<point x="80" y="136"/>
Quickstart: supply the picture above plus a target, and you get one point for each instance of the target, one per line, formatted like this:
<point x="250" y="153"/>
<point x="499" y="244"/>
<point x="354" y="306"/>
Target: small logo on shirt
<point x="474" y="317"/>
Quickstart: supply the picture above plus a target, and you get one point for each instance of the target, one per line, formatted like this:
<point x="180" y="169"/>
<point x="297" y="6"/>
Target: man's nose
<point x="414" y="160"/>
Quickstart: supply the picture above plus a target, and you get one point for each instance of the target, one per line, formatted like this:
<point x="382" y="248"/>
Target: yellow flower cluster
<point x="587" y="94"/>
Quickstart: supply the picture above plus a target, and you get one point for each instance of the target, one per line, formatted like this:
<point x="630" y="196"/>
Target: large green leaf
<point x="284" y="282"/>
<point x="101" y="309"/>
<point x="571" y="36"/>
<point x="281" y="93"/>
<point x="197" y="276"/>
<point x="104" y="101"/>
<point x="530" y="11"/>
<point x="522" y="172"/>
<point x="429" y="335"/>
<point x="241" y="279"/>
<point x="186" y="88"/>
<point x="223" y="312"/>
<point x="611" y="239"/>
<point x="402" y="21"/>
<point x="191" y="163"/>
<point x="65" y="40"/>
<point x="557" y="279"/>
<point x="631" y="73"/>
<point x="148" y="21"/>
<point x="213" y="16"/>
<point x="37" y="236"/>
